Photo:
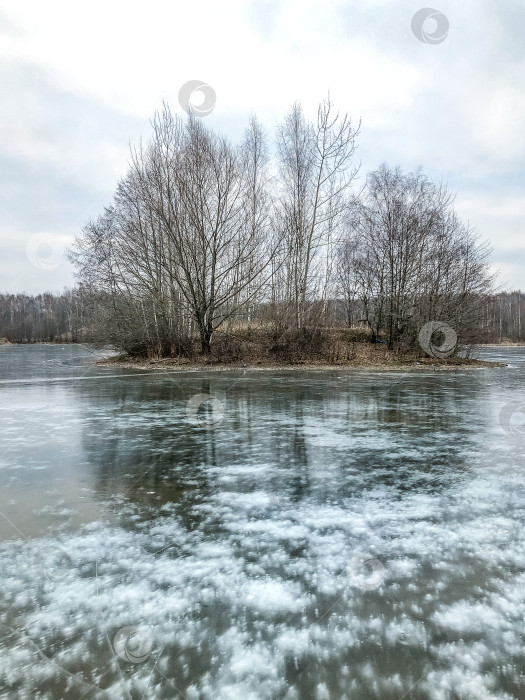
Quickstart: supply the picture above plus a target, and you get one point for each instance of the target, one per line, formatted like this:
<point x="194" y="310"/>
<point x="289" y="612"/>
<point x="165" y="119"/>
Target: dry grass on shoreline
<point x="401" y="367"/>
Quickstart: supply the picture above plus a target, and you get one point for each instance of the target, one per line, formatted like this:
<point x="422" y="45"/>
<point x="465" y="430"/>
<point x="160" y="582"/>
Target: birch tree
<point x="316" y="170"/>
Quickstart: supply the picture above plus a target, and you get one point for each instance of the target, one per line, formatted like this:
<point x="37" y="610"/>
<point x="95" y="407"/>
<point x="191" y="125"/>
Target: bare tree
<point x="188" y="233"/>
<point x="213" y="215"/>
<point x="412" y="258"/>
<point x="316" y="171"/>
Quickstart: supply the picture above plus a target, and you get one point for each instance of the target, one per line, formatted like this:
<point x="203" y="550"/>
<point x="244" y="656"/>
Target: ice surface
<point x="252" y="577"/>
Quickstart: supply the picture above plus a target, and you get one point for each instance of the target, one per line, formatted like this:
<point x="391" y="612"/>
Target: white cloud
<point x="81" y="81"/>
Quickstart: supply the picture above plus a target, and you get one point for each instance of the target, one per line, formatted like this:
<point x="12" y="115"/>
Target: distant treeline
<point x="45" y="317"/>
<point x="503" y="317"/>
<point x="70" y="317"/>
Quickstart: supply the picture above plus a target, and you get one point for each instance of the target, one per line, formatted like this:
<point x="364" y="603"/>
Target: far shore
<point x="500" y="345"/>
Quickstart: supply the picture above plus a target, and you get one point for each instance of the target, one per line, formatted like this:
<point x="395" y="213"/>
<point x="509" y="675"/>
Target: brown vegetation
<point x="323" y="348"/>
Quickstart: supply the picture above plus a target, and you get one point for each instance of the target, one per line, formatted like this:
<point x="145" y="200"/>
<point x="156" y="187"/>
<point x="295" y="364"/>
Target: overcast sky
<point x="80" y="81"/>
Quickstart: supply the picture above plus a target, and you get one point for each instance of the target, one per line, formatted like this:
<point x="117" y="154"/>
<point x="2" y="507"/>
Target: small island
<point x="262" y="254"/>
<point x="335" y="349"/>
<point x="214" y="253"/>
<point x="257" y="254"/>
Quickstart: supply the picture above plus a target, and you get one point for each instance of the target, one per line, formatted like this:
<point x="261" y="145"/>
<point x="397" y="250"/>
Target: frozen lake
<point x="303" y="535"/>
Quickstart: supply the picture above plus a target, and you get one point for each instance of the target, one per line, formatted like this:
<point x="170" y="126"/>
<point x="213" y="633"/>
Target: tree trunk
<point x="206" y="332"/>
